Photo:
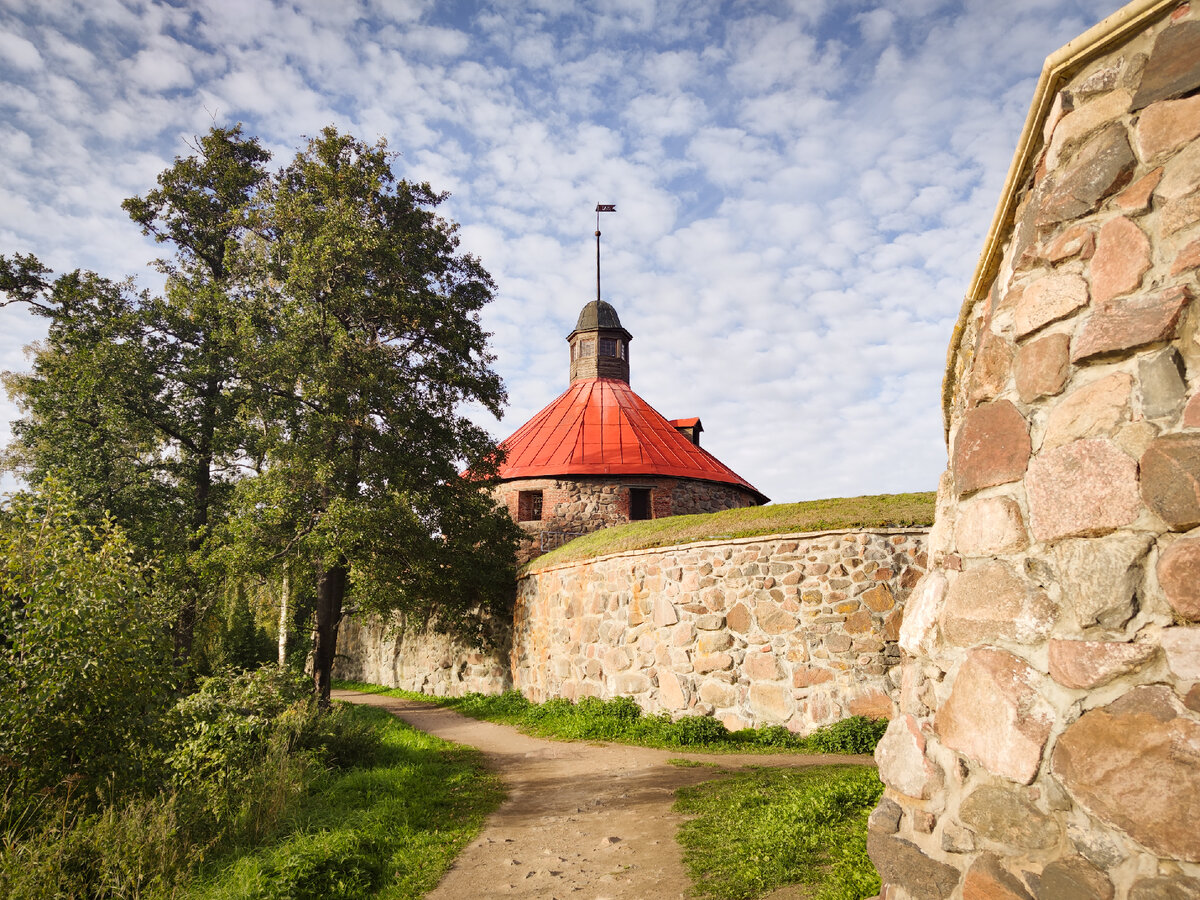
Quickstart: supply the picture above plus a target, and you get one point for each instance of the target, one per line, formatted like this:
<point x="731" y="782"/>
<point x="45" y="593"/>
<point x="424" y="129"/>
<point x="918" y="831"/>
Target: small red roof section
<point x="599" y="426"/>
<point x="685" y="423"/>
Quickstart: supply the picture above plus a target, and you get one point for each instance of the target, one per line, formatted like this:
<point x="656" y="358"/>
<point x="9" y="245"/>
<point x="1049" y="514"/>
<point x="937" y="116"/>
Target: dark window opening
<point x="608" y="347"/>
<point x="529" y="506"/>
<point x="587" y="348"/>
<point x="639" y="504"/>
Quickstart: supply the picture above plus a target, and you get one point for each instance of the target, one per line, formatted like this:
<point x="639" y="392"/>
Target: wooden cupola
<point x="599" y="345"/>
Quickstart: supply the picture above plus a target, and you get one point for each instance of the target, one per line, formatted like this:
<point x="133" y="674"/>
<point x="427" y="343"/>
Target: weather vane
<point x="600" y="207"/>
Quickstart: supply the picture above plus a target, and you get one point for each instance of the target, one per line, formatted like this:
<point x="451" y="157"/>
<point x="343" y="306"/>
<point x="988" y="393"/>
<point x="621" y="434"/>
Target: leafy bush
<point x="856" y="734"/>
<point x="85" y="670"/>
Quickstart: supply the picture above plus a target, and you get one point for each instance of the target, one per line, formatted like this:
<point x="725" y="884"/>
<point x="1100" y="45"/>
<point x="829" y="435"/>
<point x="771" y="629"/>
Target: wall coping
<point x="725" y="542"/>
<point x="1060" y="66"/>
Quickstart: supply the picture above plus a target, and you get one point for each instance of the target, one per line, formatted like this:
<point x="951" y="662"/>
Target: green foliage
<point x="880" y="511"/>
<point x="84" y="668"/>
<point x="242" y="643"/>
<point x="622" y="720"/>
<point x="759" y="830"/>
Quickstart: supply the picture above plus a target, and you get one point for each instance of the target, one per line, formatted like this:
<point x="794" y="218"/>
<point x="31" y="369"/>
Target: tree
<point x="138" y="401"/>
<point x="370" y="342"/>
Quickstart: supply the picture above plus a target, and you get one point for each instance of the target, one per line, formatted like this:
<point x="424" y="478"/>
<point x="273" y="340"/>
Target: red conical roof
<point x="599" y="426"/>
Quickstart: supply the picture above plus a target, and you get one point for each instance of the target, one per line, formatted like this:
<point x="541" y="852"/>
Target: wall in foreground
<point x="797" y="630"/>
<point x="1048" y="737"/>
<point x="376" y="651"/>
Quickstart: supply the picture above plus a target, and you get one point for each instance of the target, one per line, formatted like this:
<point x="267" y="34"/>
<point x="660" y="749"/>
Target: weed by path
<point x="760" y="829"/>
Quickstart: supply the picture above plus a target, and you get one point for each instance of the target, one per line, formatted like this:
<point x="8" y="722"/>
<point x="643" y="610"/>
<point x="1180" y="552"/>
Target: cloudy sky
<point x="802" y="187"/>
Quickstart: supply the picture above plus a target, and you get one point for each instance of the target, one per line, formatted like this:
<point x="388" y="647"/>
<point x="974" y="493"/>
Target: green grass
<point x="388" y="830"/>
<point x="764" y="828"/>
<point x="879" y="511"/>
<point x="621" y="720"/>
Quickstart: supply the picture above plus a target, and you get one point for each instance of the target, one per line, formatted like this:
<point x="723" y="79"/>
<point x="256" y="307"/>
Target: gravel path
<point x="581" y="820"/>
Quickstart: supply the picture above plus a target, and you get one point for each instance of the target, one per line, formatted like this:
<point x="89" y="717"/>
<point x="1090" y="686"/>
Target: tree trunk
<point x="331" y="589"/>
<point x="285" y="589"/>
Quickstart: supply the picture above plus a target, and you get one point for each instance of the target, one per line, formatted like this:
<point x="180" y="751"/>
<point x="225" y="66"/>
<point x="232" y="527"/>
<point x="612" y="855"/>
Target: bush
<point x="85" y="669"/>
<point x="856" y="734"/>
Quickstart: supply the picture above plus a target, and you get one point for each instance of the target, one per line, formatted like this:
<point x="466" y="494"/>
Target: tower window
<point x="529" y="506"/>
<point x="608" y="347"/>
<point x="587" y="348"/>
<point x="639" y="504"/>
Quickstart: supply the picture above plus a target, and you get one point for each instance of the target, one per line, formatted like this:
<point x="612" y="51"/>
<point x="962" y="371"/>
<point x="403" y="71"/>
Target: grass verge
<point x="387" y="830"/>
<point x="758" y="830"/>
<point x="621" y="720"/>
<point x="878" y="511"/>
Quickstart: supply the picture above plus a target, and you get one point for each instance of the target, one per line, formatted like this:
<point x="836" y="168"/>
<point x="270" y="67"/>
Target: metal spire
<point x="600" y="207"/>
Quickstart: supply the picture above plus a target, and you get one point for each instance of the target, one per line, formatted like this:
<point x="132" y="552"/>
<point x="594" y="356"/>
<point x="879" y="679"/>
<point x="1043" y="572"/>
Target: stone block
<point x="1182" y="647"/>
<point x="710" y="622"/>
<point x="991" y="367"/>
<point x="632" y="683"/>
<point x="1132" y="764"/>
<point x="1077" y="240"/>
<point x="1041" y="367"/>
<point x="738" y="618"/>
<point x="807" y="676"/>
<point x="718" y="694"/>
<point x="616" y="660"/>
<point x="1173" y="68"/>
<point x="996" y="715"/>
<point x="664" y="612"/>
<point x="762" y="667"/>
<point x="1124" y="325"/>
<point x="1135" y="199"/>
<point x="987" y="879"/>
<point x="1004" y="815"/>
<point x="991" y="447"/>
<point x="1165" y="887"/>
<point x="1170" y="479"/>
<point x="1050" y="298"/>
<point x="874" y="704"/>
<point x="918" y="631"/>
<point x="1186" y="259"/>
<point x="1073" y="878"/>
<point x="879" y="598"/>
<point x="772" y="619"/>
<point x="671" y="693"/>
<point x="1179" y="214"/>
<point x="1178" y="572"/>
<point x="1162" y="383"/>
<point x="1103" y="166"/>
<point x="1087" y="487"/>
<point x="1093" y="410"/>
<point x="902" y="863"/>
<point x="1084" y="665"/>
<point x="1099" y="576"/>
<point x="989" y="526"/>
<point x="903" y="765"/>
<point x="858" y="623"/>
<point x="885" y="818"/>
<point x="992" y="603"/>
<point x="837" y="643"/>
<point x="1191" y="412"/>
<point x="714" y="641"/>
<point x="1122" y="258"/>
<point x="771" y="702"/>
<point x="1085" y="119"/>
<point x="1166" y="126"/>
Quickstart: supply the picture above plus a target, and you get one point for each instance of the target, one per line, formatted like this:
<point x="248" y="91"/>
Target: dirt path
<point x="587" y="821"/>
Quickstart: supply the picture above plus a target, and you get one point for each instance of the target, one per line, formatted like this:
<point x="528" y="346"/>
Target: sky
<point x="802" y="188"/>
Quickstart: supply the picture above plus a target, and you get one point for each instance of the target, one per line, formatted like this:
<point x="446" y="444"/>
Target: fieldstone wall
<point x="797" y="630"/>
<point x="383" y="652"/>
<point x="579" y="505"/>
<point x="1047" y="741"/>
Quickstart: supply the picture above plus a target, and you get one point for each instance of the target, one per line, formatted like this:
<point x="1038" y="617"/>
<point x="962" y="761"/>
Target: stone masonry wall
<point x="796" y="630"/>
<point x="1047" y="741"/>
<point x="379" y="652"/>
<point x="583" y="505"/>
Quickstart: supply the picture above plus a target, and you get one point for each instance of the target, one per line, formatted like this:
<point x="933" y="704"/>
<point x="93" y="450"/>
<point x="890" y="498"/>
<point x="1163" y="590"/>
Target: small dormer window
<point x="609" y="347"/>
<point x="587" y="348"/>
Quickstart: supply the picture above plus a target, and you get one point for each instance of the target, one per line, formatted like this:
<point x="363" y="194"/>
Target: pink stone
<point x="664" y="612"/>
<point x="1088" y="487"/>
<point x="1078" y="240"/>
<point x="873" y="703"/>
<point x="712" y="662"/>
<point x="1042" y="366"/>
<point x="670" y="692"/>
<point x="991" y="447"/>
<point x="903" y="765"/>
<point x="1122" y="258"/>
<point x="1170" y="479"/>
<point x="879" y="598"/>
<point x="1094" y="410"/>
<point x="1188" y="257"/>
<point x="1181" y="174"/>
<point x="1084" y="665"/>
<point x="1179" y="214"/>
<point x="1191" y="412"/>
<point x="1122" y="325"/>
<point x="1179" y="576"/>
<point x="996" y="715"/>
<point x="1135" y="199"/>
<point x="771" y="702"/>
<point x="772" y="619"/>
<point x="1048" y="299"/>
<point x="1182" y="647"/>
<point x="762" y="667"/>
<point x="990" y="526"/>
<point x="1104" y="165"/>
<point x="992" y="603"/>
<point x="991" y="367"/>
<point x="918" y="629"/>
<point x="858" y="623"/>
<point x="738" y="618"/>
<point x="810" y="675"/>
<point x="988" y="880"/>
<point x="1166" y="126"/>
<point x="1083" y="121"/>
<point x="1132" y="764"/>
